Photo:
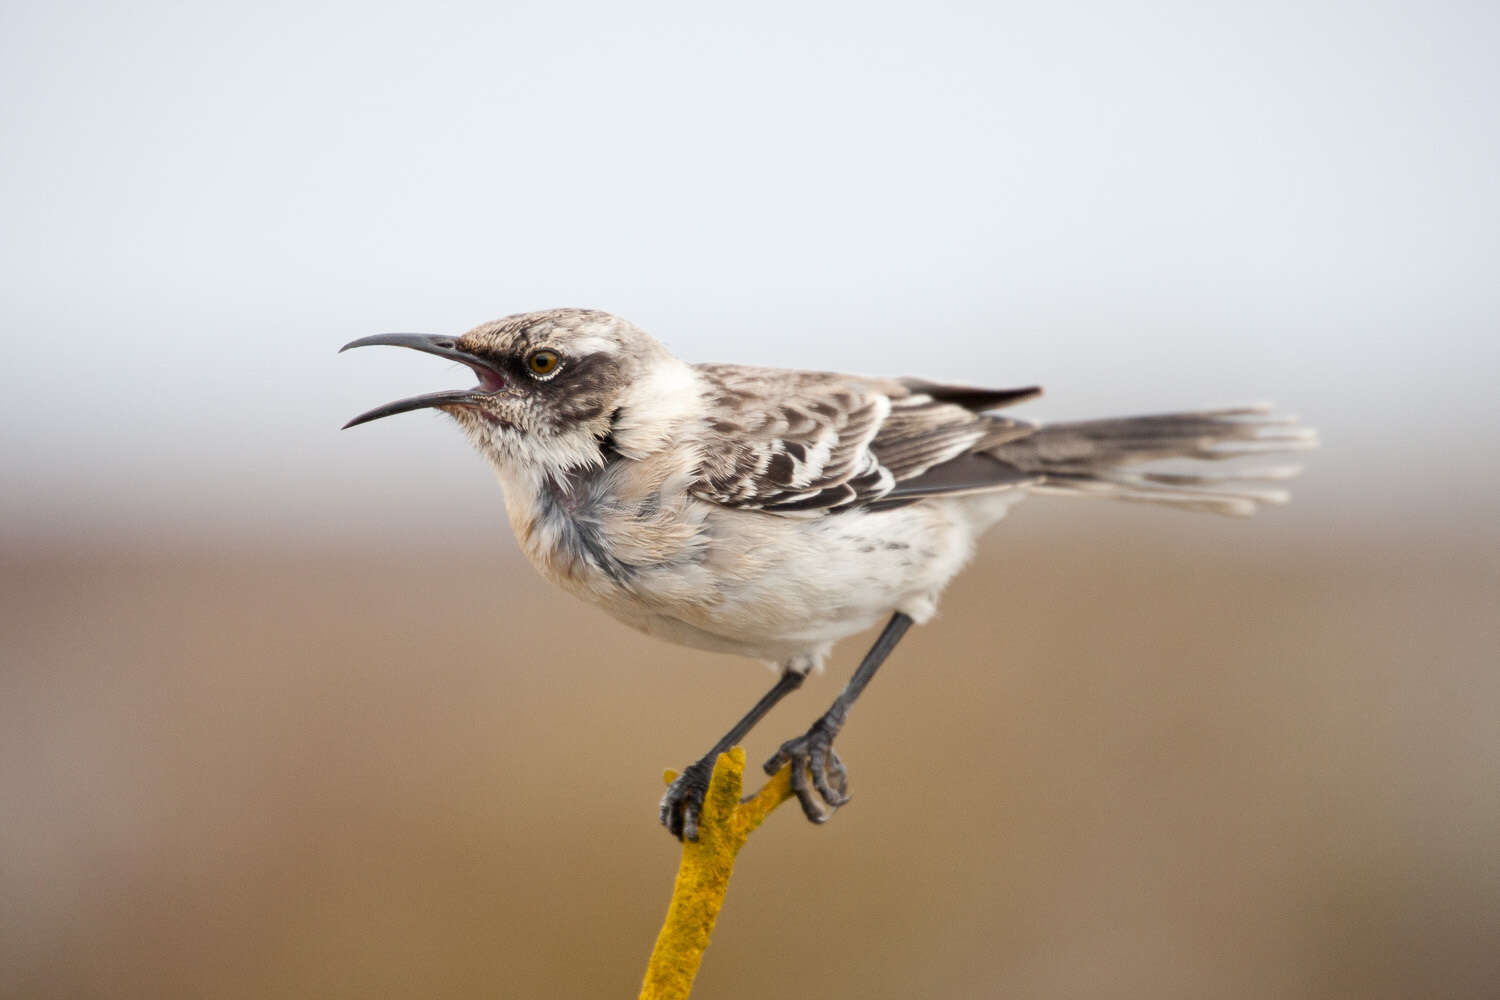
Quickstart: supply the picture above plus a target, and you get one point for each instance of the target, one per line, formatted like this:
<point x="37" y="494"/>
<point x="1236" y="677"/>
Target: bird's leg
<point x="812" y="753"/>
<point x="684" y="798"/>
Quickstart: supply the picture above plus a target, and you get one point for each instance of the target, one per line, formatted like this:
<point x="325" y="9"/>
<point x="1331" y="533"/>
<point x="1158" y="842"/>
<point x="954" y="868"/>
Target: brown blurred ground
<point x="1138" y="755"/>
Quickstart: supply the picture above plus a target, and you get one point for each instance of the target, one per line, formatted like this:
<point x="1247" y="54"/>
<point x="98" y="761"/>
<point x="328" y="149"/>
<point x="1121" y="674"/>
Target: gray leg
<point x="812" y="753"/>
<point x="684" y="798"/>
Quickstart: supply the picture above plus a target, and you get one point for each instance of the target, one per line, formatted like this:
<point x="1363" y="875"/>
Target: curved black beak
<point x="490" y="380"/>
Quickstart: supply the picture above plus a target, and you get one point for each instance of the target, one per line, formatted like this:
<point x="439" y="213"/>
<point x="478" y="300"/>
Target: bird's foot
<point x="811" y="755"/>
<point x="683" y="802"/>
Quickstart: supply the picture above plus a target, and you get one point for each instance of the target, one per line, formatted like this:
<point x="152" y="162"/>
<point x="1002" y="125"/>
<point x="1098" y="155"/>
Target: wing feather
<point x="802" y="443"/>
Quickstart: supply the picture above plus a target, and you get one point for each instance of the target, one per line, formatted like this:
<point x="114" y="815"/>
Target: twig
<point x="703" y="876"/>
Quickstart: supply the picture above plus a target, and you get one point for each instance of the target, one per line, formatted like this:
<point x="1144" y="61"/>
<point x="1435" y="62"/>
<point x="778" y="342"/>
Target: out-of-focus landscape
<point x="1139" y="754"/>
<point x="283" y="713"/>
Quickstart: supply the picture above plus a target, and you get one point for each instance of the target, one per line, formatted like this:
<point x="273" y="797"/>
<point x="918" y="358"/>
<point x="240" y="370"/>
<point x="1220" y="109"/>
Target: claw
<point x="810" y="807"/>
<point x="776" y="760"/>
<point x="819" y="763"/>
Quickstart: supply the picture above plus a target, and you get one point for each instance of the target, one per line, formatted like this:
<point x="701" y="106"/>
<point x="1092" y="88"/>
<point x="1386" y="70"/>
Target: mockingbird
<point x="771" y="512"/>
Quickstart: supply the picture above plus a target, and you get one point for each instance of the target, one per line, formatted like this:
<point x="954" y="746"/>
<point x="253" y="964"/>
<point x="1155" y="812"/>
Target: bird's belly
<point x="775" y="586"/>
<point x="750" y="583"/>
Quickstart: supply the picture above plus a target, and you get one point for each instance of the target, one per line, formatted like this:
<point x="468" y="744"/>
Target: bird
<point x="771" y="512"/>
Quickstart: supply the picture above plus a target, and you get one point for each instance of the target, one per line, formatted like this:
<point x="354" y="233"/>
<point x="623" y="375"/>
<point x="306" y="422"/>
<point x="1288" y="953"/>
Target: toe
<point x="671" y="817"/>
<point x="838" y="775"/>
<point x="810" y="807"/>
<point x="682" y="805"/>
<point x="777" y="760"/>
<point x="819" y="766"/>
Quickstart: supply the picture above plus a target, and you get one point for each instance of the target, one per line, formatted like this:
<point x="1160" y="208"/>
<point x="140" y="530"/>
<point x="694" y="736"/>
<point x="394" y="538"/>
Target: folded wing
<point x="805" y="443"/>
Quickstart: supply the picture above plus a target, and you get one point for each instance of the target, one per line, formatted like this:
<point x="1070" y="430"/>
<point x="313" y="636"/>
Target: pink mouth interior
<point x="489" y="379"/>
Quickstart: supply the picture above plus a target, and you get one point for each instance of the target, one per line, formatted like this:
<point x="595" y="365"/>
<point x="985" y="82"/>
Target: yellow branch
<point x="703" y="875"/>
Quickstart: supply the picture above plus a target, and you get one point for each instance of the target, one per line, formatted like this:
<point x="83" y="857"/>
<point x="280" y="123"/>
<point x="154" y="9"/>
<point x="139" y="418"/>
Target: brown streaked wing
<point x="798" y="442"/>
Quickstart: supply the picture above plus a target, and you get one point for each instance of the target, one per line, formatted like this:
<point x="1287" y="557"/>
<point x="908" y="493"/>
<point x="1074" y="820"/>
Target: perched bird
<point x="771" y="512"/>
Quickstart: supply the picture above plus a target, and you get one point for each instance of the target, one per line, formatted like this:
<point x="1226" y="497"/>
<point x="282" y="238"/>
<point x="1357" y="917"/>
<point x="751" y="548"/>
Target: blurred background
<point x="284" y="713"/>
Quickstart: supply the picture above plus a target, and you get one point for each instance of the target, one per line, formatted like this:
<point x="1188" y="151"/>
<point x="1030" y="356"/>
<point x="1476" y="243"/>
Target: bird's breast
<point x="592" y="533"/>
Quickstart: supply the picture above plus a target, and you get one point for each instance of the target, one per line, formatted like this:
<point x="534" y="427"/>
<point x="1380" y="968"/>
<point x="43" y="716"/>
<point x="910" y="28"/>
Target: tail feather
<point x="1098" y="458"/>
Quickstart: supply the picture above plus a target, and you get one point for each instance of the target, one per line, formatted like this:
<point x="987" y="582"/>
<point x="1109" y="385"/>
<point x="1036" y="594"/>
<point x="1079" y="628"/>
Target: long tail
<point x="1099" y="458"/>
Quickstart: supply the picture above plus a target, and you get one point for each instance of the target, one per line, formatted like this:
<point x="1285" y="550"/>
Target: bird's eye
<point x="543" y="362"/>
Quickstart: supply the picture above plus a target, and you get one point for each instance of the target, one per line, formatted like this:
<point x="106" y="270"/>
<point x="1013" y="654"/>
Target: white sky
<point x="1139" y="206"/>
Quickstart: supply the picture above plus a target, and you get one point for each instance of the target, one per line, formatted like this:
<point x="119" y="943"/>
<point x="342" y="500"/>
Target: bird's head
<point x="554" y="386"/>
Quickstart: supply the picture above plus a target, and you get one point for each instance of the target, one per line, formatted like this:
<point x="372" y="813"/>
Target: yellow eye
<point x="543" y="362"/>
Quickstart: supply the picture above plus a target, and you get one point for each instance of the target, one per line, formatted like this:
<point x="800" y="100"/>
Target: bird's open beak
<point x="490" y="380"/>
